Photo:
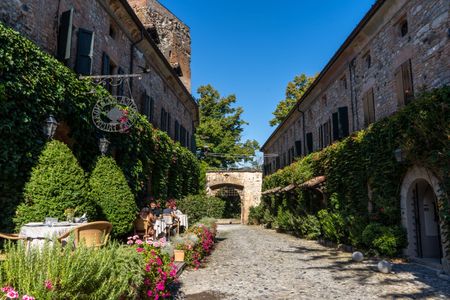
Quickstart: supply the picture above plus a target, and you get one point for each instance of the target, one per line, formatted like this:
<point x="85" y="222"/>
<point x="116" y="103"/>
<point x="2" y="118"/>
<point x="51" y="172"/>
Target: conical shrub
<point x="110" y="191"/>
<point x="57" y="182"/>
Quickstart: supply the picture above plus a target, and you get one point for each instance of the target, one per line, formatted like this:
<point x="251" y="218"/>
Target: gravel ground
<point x="250" y="262"/>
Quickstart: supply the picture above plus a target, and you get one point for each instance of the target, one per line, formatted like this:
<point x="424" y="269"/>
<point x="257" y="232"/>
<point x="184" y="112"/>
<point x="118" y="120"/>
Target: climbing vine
<point x="34" y="85"/>
<point x="366" y="160"/>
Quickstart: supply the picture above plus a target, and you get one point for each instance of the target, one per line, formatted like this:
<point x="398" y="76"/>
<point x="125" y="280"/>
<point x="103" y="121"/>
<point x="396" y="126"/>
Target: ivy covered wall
<point x="361" y="162"/>
<point x="34" y="85"/>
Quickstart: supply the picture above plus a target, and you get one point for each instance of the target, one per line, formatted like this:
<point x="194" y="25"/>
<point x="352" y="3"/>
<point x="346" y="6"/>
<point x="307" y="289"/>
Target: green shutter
<point x="85" y="50"/>
<point x="65" y="35"/>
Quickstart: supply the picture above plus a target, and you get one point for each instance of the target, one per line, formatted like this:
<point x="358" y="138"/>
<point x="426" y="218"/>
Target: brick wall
<point x="348" y="77"/>
<point x="114" y="35"/>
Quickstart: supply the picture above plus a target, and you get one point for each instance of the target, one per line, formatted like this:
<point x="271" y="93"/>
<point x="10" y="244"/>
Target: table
<point x="159" y="226"/>
<point x="183" y="220"/>
<point x="37" y="232"/>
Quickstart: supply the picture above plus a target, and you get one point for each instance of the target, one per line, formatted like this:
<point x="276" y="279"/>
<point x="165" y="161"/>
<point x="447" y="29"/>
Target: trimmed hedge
<point x="34" y="85"/>
<point x="200" y="206"/>
<point x="57" y="183"/>
<point x="110" y="191"/>
<point x="366" y="158"/>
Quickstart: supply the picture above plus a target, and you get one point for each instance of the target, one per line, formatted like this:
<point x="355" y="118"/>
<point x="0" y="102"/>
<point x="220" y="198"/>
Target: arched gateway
<point x="240" y="190"/>
<point x="420" y="216"/>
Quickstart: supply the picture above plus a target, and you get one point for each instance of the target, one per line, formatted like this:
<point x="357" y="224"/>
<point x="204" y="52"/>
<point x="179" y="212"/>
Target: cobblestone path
<point x="255" y="263"/>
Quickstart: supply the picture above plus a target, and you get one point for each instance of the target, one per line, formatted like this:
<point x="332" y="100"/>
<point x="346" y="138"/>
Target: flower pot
<point x="178" y="255"/>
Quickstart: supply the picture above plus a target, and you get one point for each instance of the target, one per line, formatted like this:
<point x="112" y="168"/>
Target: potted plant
<point x="179" y="245"/>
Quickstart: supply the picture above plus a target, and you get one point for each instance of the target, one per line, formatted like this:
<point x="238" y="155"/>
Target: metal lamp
<point x="103" y="145"/>
<point x="50" y="126"/>
<point x="399" y="155"/>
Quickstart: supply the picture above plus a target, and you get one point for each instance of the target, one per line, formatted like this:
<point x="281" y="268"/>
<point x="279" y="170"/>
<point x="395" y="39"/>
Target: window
<point x="367" y="60"/>
<point x="163" y="124"/>
<point x="169" y="123"/>
<point x="309" y="142"/>
<point x="85" y="49"/>
<point x="404" y="83"/>
<point x="343" y="81"/>
<point x="325" y="134"/>
<point x="403" y="28"/>
<point x="340" y="123"/>
<point x="292" y="154"/>
<point x="369" y="107"/>
<point x="284" y="159"/>
<point x="278" y="163"/>
<point x="177" y="131"/>
<point x="298" y="148"/>
<point x="106" y="70"/>
<point x="148" y="107"/>
<point x="65" y="35"/>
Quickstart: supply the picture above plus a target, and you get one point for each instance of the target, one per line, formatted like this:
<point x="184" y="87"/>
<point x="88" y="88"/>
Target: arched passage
<point x="420" y="216"/>
<point x="232" y="196"/>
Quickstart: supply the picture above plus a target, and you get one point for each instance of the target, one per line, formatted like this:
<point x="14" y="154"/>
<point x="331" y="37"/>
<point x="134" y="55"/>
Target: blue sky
<point x="253" y="48"/>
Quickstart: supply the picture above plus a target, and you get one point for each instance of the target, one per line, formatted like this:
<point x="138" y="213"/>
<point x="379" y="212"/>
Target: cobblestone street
<point x="254" y="263"/>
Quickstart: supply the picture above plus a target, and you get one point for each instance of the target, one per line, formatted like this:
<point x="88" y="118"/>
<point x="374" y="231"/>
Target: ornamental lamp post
<point x="103" y="145"/>
<point x="50" y="127"/>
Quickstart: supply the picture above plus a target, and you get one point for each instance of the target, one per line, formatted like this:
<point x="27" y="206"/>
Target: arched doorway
<point x="232" y="197"/>
<point x="420" y="214"/>
<point x="426" y="220"/>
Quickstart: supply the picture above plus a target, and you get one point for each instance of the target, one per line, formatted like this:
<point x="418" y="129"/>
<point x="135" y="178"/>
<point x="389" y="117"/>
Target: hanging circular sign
<point x="114" y="114"/>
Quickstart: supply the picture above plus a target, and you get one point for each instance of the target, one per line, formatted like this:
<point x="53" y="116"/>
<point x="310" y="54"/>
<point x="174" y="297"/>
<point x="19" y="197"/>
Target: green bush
<point x="109" y="189"/>
<point x="309" y="227"/>
<point x="256" y="214"/>
<point x="57" y="182"/>
<point x="199" y="206"/>
<point x="332" y="225"/>
<point x="385" y="240"/>
<point x="112" y="272"/>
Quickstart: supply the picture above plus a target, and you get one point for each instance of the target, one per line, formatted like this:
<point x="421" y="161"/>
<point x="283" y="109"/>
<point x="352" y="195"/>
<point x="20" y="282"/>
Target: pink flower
<point x="147" y="282"/>
<point x="139" y="242"/>
<point x="139" y="250"/>
<point x="149" y="293"/>
<point x="6" y="289"/>
<point x="130" y="237"/>
<point x="135" y="237"/>
<point x="156" y="244"/>
<point x="48" y="284"/>
<point x="130" y="242"/>
<point x="149" y="242"/>
<point x="173" y="272"/>
<point x="26" y="297"/>
<point x="159" y="261"/>
<point x="160" y="286"/>
<point x="156" y="297"/>
<point x="148" y="268"/>
<point x="12" y="294"/>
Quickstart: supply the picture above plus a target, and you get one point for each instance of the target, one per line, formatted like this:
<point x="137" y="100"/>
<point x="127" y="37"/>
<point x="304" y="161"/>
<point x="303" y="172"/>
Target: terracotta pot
<point x="178" y="255"/>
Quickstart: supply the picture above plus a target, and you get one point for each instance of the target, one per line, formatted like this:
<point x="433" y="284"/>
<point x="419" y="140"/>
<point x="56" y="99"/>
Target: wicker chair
<point x="141" y="227"/>
<point x="9" y="237"/>
<point x="94" y="234"/>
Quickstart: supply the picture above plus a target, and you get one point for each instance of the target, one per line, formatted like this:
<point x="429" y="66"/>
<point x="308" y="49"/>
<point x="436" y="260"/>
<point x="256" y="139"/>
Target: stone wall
<point x="348" y="77"/>
<point x="248" y="184"/>
<point x="173" y="36"/>
<point x="114" y="33"/>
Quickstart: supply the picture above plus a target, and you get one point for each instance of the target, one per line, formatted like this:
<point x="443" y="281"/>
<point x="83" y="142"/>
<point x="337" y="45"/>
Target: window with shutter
<point x="369" y="107"/>
<point x="343" y="122"/>
<point x="320" y="137"/>
<point x="106" y="69"/>
<point x="284" y="159"/>
<point x="309" y="142"/>
<point x="298" y="148"/>
<point x="169" y="120"/>
<point x="292" y="154"/>
<point x="193" y="143"/>
<point x="277" y="163"/>
<point x="335" y="118"/>
<point x="177" y="131"/>
<point x="146" y="106"/>
<point x="85" y="50"/>
<point x="404" y="83"/>
<point x="188" y="139"/>
<point x="65" y="35"/>
<point x="151" y="110"/>
<point x="163" y="119"/>
<point x="120" y="88"/>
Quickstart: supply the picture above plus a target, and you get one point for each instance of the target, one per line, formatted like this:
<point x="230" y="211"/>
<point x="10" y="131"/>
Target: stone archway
<point x="419" y="192"/>
<point x="245" y="184"/>
<point x="232" y="194"/>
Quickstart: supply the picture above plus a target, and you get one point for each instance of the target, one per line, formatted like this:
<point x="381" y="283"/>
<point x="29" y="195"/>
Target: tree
<point x="220" y="129"/>
<point x="294" y="91"/>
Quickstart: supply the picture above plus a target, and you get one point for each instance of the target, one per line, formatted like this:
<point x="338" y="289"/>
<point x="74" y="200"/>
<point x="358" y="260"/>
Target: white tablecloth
<point x="159" y="226"/>
<point x="183" y="220"/>
<point x="38" y="233"/>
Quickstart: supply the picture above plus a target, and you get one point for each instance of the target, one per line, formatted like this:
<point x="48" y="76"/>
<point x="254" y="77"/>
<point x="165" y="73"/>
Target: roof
<point x="309" y="184"/>
<point x="372" y="11"/>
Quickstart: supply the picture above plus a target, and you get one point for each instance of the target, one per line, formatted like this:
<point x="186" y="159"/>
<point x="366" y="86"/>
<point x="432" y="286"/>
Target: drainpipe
<point x="132" y="47"/>
<point x="303" y="129"/>
<point x="354" y="106"/>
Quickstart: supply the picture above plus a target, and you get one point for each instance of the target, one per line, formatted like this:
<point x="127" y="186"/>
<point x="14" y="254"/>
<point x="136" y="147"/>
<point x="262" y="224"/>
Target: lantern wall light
<point x="50" y="127"/>
<point x="103" y="145"/>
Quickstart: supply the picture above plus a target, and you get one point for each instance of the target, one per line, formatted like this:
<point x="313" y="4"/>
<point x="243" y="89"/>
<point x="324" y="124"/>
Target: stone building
<point x="242" y="187"/>
<point x="102" y="37"/>
<point x="399" y="48"/>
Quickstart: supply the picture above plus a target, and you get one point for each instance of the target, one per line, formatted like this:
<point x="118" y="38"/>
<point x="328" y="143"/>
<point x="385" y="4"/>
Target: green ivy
<point x="34" y="85"/>
<point x="421" y="130"/>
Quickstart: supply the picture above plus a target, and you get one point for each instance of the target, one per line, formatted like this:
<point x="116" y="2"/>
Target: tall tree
<point x="220" y="129"/>
<point x="294" y="90"/>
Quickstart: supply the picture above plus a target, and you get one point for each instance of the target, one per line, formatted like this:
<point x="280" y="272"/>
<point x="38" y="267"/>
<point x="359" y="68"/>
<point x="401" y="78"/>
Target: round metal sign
<point x="114" y="114"/>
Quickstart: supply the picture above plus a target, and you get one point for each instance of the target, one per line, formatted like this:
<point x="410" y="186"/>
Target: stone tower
<point x="170" y="34"/>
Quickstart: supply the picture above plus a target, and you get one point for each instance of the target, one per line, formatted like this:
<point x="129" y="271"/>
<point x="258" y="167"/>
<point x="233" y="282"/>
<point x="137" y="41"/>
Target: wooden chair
<point x="141" y="227"/>
<point x="171" y="223"/>
<point x="94" y="234"/>
<point x="10" y="237"/>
